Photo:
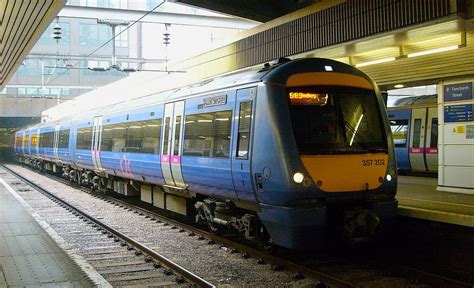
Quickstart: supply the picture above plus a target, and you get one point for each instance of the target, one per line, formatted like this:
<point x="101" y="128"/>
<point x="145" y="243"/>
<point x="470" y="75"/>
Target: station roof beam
<point x="262" y="11"/>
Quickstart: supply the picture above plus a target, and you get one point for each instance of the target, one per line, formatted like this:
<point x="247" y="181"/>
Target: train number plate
<point x="373" y="162"/>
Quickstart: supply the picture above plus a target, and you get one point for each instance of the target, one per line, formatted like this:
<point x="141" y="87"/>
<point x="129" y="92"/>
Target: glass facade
<point x="105" y="3"/>
<point x="122" y="39"/>
<point x="150" y="4"/>
<point x="33" y="67"/>
<point x="94" y="34"/>
<point x="42" y="91"/>
<point x="82" y="35"/>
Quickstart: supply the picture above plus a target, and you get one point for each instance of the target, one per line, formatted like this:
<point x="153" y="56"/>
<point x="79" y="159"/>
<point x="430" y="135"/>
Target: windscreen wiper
<point x="362" y="140"/>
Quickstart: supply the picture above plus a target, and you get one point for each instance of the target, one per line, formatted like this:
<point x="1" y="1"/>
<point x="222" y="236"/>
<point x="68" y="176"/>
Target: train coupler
<point x="360" y="225"/>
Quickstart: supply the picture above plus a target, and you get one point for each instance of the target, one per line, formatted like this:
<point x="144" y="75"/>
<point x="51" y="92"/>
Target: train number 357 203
<point x="373" y="162"/>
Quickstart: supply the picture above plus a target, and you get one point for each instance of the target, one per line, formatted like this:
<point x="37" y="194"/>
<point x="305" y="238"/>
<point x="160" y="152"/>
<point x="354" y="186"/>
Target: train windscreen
<point x="336" y="120"/>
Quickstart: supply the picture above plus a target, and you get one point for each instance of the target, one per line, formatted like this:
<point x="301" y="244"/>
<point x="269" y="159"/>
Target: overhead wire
<point x="108" y="41"/>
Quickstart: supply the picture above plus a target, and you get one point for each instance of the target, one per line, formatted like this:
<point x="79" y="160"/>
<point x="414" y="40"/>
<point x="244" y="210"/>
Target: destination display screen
<point x="308" y="98"/>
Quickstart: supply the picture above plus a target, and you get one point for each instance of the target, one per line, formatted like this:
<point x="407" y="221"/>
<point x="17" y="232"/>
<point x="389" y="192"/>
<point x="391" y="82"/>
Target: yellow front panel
<point x="346" y="173"/>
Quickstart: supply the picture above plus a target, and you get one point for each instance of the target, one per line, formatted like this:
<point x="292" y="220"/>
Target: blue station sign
<point x="458" y="113"/>
<point x="458" y="92"/>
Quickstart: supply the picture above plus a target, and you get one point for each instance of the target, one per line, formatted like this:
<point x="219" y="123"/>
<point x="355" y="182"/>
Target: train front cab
<point x="415" y="133"/>
<point x="338" y="151"/>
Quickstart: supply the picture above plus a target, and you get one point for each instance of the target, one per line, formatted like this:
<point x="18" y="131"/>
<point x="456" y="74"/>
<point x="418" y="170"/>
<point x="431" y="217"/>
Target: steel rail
<point x="188" y="275"/>
<point x="425" y="277"/>
<point x="282" y="263"/>
<point x="278" y="262"/>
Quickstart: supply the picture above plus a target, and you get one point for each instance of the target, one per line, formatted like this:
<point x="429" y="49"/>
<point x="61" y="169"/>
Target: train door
<point x="241" y="174"/>
<point x="431" y="145"/>
<point x="171" y="145"/>
<point x="417" y="139"/>
<point x="56" y="142"/>
<point x="96" y="139"/>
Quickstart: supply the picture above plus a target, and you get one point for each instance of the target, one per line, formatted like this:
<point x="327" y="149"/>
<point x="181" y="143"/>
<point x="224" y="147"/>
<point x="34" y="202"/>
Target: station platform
<point x="418" y="198"/>
<point x="29" y="257"/>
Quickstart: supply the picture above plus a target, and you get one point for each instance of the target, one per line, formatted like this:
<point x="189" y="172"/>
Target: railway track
<point x="120" y="259"/>
<point x="337" y="275"/>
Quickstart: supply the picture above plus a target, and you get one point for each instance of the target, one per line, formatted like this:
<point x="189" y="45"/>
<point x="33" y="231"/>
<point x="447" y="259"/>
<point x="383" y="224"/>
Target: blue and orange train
<point x="277" y="152"/>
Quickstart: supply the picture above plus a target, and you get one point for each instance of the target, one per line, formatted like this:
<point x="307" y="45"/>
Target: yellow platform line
<point x="439" y="216"/>
<point x="436" y="202"/>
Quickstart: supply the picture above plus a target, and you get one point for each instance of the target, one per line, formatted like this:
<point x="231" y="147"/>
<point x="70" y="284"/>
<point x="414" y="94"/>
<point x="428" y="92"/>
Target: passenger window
<point x="134" y="136"/>
<point x="399" y="132"/>
<point x="106" y="143"/>
<point x="119" y="137"/>
<point x="208" y="134"/>
<point x="63" y="139"/>
<point x="46" y="139"/>
<point x="243" y="137"/>
<point x="151" y="137"/>
<point x="416" y="133"/>
<point x="434" y="133"/>
<point x="84" y="138"/>
<point x="34" y="140"/>
<point x="18" y="141"/>
<point x="25" y="141"/>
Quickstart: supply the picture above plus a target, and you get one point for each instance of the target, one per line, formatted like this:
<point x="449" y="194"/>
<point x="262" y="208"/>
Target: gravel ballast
<point x="216" y="265"/>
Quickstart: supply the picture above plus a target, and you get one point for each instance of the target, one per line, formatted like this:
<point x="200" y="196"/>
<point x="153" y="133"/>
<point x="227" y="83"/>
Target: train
<point x="414" y="124"/>
<point x="279" y="153"/>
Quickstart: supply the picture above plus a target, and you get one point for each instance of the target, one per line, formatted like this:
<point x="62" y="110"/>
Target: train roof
<point x="416" y="100"/>
<point x="277" y="73"/>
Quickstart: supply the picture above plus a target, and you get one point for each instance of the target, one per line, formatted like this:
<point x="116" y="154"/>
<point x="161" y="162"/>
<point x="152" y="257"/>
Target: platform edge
<point x="89" y="272"/>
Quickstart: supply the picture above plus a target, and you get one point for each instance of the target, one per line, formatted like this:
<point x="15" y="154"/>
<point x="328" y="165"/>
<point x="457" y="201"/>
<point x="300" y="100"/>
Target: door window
<point x="243" y="137"/>
<point x="417" y="133"/>
<point x="166" y="136"/>
<point x="177" y="134"/>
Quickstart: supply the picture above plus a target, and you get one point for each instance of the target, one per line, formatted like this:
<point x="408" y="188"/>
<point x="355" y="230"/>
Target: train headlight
<point x="298" y="177"/>
<point x="389" y="177"/>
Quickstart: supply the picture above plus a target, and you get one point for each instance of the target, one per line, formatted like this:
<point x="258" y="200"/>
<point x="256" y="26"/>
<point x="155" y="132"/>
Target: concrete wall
<point x="24" y="107"/>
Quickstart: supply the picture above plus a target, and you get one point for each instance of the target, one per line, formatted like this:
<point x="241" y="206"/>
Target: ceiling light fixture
<point x="383" y="60"/>
<point x="432" y="51"/>
<point x="399" y="86"/>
